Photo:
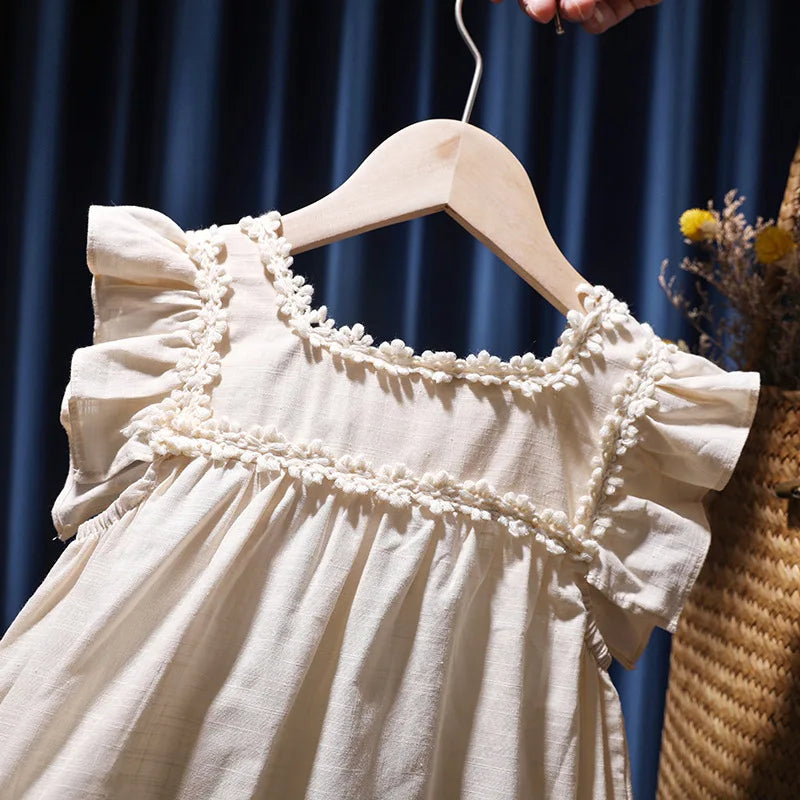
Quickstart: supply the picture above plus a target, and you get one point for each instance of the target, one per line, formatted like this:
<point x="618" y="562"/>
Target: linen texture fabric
<point x="298" y="564"/>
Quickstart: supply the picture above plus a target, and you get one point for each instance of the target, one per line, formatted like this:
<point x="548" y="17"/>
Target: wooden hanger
<point x="451" y="166"/>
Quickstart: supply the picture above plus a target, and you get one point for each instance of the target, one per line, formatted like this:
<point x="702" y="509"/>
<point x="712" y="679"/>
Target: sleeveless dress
<point x="302" y="565"/>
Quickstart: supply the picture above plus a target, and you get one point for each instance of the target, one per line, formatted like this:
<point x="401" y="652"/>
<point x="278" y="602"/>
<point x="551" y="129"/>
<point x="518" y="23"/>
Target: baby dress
<point x="302" y="565"/>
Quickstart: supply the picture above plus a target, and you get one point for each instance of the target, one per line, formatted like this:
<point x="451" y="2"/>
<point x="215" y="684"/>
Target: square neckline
<point x="581" y="337"/>
<point x="185" y="421"/>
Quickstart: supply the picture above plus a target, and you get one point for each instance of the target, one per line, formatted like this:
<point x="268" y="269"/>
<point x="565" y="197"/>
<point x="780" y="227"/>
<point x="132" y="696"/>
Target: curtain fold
<point x="211" y="110"/>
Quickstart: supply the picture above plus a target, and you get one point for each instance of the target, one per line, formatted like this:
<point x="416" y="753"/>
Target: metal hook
<point x="559" y="26"/>
<point x="476" y="78"/>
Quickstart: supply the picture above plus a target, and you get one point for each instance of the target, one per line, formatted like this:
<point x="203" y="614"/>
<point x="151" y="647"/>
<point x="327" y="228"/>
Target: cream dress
<point x="302" y="565"/>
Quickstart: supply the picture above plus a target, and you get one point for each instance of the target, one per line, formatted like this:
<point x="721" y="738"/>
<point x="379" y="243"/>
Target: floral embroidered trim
<point x="619" y="432"/>
<point x="183" y="423"/>
<point x="268" y="450"/>
<point x="189" y="406"/>
<point x="580" y="340"/>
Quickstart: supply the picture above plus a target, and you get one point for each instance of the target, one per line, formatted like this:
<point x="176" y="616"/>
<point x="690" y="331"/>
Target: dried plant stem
<point x="758" y="325"/>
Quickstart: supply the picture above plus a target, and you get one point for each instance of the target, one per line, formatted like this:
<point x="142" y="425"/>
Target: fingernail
<point x="597" y="17"/>
<point x="576" y="8"/>
<point x="535" y="6"/>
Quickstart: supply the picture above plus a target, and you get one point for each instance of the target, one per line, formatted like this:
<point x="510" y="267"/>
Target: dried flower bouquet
<point x="748" y="282"/>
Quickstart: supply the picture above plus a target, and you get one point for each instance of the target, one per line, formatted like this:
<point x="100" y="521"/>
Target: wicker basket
<point x="732" y="719"/>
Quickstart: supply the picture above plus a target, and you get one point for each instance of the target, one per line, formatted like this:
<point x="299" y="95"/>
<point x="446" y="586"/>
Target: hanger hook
<point x="476" y="78"/>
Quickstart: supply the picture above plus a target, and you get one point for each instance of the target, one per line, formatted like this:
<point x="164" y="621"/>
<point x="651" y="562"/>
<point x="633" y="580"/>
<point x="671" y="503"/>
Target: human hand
<point x="595" y="16"/>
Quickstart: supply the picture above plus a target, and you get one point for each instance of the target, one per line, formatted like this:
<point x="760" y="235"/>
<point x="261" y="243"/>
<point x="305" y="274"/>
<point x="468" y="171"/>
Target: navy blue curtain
<point x="208" y="111"/>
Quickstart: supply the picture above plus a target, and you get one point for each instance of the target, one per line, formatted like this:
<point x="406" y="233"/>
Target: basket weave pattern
<point x="732" y="719"/>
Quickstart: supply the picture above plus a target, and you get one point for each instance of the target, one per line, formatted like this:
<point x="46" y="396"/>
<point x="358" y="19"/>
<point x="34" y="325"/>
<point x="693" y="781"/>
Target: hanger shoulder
<point x="408" y="175"/>
<point x="445" y="165"/>
<point x="493" y="198"/>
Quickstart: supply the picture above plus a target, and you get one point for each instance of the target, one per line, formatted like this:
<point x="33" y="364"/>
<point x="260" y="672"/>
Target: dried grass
<point x="748" y="313"/>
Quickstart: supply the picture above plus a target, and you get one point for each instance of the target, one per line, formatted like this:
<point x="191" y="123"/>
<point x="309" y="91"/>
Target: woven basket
<point x="732" y="718"/>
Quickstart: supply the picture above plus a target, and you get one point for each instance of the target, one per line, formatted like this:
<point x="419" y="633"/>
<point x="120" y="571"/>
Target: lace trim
<point x="188" y="406"/>
<point x="183" y="423"/>
<point x="269" y="451"/>
<point x="632" y="397"/>
<point x="581" y="340"/>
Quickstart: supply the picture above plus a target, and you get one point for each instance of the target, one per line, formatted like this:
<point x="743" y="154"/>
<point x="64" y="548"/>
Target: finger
<point x="601" y="20"/>
<point x="540" y="10"/>
<point x="608" y="13"/>
<point x="524" y="6"/>
<point x="578" y="10"/>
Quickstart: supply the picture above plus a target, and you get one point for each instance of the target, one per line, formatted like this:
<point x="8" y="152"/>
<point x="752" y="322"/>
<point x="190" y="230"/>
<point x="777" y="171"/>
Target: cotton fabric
<point x="301" y="565"/>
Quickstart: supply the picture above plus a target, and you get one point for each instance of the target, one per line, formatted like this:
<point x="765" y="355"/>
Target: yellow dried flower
<point x="698" y="224"/>
<point x="772" y="244"/>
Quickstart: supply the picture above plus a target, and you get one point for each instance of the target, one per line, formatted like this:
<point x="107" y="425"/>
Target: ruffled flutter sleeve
<point x="677" y="430"/>
<point x="145" y="300"/>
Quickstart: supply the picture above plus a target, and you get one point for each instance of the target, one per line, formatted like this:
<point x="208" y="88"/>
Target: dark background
<point x="211" y="110"/>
